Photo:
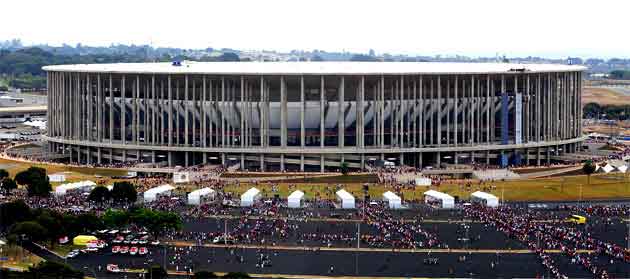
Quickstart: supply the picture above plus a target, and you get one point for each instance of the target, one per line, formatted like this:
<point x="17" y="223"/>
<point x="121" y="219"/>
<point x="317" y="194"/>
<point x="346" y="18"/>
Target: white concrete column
<point x="111" y="110"/>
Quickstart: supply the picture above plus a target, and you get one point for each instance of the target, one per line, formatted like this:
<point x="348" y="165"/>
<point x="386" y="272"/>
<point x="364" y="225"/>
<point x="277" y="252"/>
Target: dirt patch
<point x="336" y="179"/>
<point x="534" y="170"/>
<point x="603" y="96"/>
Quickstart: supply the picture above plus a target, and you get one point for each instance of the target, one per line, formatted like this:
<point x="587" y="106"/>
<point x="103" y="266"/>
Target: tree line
<point x="597" y="111"/>
<point x="620" y="74"/>
<point x="23" y="67"/>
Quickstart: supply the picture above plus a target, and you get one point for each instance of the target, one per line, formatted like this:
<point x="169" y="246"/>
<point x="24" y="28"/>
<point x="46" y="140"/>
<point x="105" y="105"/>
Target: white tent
<point x="181" y="177"/>
<point x="200" y="196"/>
<point x="154" y="193"/>
<point x="446" y="200"/>
<point x="295" y="199"/>
<point x="423" y="181"/>
<point x="622" y="168"/>
<point x="392" y="199"/>
<point x="346" y="199"/>
<point x="83" y="186"/>
<point x="485" y="198"/>
<point x="250" y="196"/>
<point x="57" y="177"/>
<point x="607" y="168"/>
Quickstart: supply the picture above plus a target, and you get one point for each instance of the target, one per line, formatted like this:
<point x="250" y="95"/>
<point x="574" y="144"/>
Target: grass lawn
<point x="17" y="257"/>
<point x="73" y="173"/>
<point x="602" y="186"/>
<point x="63" y="250"/>
<point x="611" y="186"/>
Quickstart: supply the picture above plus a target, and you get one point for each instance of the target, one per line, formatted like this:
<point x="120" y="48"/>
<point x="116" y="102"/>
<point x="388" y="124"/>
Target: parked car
<point x="143" y="251"/>
<point x="113" y="268"/>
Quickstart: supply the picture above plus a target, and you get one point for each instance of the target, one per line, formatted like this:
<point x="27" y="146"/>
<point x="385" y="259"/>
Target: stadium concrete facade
<point x="314" y="116"/>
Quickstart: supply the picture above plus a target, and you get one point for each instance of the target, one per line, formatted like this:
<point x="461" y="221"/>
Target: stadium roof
<point x="314" y="68"/>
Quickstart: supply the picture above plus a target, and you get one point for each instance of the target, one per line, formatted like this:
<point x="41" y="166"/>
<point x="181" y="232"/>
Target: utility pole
<point x="225" y="233"/>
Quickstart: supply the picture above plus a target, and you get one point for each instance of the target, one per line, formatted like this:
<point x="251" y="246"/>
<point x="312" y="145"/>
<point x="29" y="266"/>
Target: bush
<point x="236" y="275"/>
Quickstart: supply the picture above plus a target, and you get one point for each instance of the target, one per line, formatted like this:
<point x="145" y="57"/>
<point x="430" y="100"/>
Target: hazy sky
<point x="551" y="28"/>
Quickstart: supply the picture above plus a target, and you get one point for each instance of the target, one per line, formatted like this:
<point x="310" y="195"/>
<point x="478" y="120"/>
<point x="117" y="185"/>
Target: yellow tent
<point x="83" y="239"/>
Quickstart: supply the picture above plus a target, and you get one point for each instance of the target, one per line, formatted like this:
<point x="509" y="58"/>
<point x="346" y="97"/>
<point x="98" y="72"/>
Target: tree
<point x="124" y="192"/>
<point x="13" y="212"/>
<point x="344" y="168"/>
<point x="228" y="57"/>
<point x="115" y="218"/>
<point x="32" y="230"/>
<point x="155" y="221"/>
<point x="53" y="222"/>
<point x="3" y="174"/>
<point x="8" y="184"/>
<point x="156" y="272"/>
<point x="588" y="169"/>
<point x="363" y="58"/>
<point x="317" y="58"/>
<point x="99" y="194"/>
<point x="88" y="222"/>
<point x="204" y="275"/>
<point x="236" y="275"/>
<point x="52" y="269"/>
<point x="36" y="181"/>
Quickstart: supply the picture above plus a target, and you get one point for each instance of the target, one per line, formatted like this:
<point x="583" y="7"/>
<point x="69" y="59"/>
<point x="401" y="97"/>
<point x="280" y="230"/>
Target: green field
<point x="612" y="186"/>
<point x="602" y="186"/>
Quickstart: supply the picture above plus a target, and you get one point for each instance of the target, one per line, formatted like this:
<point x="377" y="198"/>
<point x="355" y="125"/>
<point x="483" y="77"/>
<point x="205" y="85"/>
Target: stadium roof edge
<point x="315" y="68"/>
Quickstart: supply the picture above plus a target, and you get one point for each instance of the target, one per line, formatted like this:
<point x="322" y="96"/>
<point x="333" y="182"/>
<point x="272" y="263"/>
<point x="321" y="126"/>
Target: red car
<point x="143" y="251"/>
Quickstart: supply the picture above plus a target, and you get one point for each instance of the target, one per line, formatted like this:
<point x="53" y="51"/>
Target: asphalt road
<point x="347" y="263"/>
<point x="454" y="235"/>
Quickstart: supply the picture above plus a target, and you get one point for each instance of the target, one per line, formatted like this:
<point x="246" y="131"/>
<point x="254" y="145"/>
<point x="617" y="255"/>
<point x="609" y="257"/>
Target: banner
<point x="518" y="126"/>
<point x="504" y="118"/>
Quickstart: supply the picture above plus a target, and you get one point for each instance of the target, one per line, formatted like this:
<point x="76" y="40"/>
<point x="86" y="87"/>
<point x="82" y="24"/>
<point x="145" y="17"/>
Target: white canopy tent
<point x="423" y="181"/>
<point x="295" y="199"/>
<point x="57" y="177"/>
<point x="250" y="196"/>
<point x="83" y="186"/>
<point x="485" y="198"/>
<point x="200" y="196"/>
<point x="181" y="177"/>
<point x="607" y="168"/>
<point x="346" y="199"/>
<point x="446" y="200"/>
<point x="154" y="193"/>
<point x="392" y="199"/>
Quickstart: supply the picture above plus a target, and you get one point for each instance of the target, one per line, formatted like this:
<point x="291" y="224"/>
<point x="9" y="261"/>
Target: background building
<point x="314" y="115"/>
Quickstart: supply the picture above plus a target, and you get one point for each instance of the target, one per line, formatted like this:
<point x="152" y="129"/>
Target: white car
<point x="72" y="255"/>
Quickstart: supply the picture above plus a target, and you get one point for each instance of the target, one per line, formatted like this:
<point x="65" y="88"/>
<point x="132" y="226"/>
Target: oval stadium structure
<point x="314" y="116"/>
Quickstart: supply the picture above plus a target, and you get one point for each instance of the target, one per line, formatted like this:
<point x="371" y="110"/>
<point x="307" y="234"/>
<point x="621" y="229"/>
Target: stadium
<point x="314" y="116"/>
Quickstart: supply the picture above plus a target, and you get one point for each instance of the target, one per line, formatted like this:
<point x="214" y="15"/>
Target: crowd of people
<point x="556" y="234"/>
